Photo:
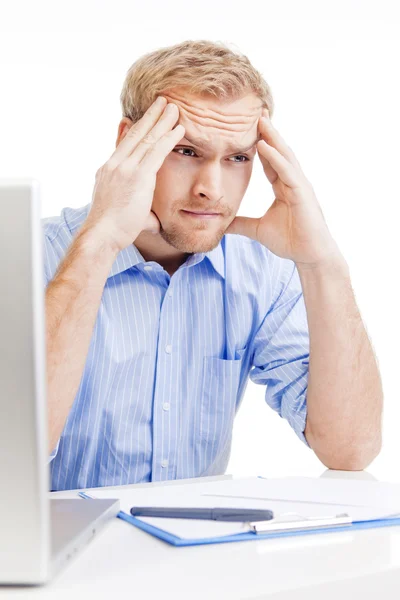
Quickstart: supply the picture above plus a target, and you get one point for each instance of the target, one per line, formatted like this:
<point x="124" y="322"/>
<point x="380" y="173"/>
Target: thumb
<point x="244" y="226"/>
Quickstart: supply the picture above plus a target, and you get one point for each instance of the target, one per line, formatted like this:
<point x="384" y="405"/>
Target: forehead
<point x="220" y="122"/>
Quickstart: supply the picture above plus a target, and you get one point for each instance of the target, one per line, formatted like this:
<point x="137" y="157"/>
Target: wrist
<point x="330" y="262"/>
<point x="333" y="266"/>
<point x="96" y="238"/>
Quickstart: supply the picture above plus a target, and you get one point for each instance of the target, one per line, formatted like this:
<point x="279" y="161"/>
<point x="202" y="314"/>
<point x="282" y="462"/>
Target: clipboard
<point x="295" y="526"/>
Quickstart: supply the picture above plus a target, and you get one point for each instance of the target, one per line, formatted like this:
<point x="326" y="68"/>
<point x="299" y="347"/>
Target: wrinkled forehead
<point x="215" y="121"/>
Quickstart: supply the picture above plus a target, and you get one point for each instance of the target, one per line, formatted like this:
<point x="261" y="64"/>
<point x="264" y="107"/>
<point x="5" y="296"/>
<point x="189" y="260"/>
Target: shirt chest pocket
<point x="219" y="388"/>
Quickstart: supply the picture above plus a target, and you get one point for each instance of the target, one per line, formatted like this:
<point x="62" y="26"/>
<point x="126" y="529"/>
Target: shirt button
<point x="168" y="349"/>
<point x="170" y="294"/>
<point x="166" y="406"/>
<point x="164" y="463"/>
<point x="148" y="268"/>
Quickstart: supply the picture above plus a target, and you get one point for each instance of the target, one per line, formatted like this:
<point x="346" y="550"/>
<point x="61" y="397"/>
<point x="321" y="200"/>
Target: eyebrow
<point x="230" y="147"/>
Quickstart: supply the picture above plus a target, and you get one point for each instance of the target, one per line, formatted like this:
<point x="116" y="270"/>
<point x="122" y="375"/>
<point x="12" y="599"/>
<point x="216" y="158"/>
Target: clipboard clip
<point x="292" y="521"/>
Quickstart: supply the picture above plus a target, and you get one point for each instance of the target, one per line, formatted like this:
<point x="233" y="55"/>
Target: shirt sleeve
<point x="48" y="258"/>
<point x="54" y="453"/>
<point x="281" y="353"/>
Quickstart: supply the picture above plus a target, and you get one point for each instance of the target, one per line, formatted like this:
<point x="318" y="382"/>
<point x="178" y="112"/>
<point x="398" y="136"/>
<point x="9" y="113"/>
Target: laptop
<point x="38" y="534"/>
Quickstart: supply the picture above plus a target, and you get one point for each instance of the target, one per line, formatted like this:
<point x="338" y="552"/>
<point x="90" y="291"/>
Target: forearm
<point x="344" y="393"/>
<point x="72" y="302"/>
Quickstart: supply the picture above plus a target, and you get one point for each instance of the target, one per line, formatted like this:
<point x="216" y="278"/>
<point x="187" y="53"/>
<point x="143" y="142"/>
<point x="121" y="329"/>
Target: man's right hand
<point x="125" y="184"/>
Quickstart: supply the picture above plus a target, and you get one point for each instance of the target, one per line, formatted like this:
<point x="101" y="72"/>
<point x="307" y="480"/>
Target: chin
<point x="191" y="242"/>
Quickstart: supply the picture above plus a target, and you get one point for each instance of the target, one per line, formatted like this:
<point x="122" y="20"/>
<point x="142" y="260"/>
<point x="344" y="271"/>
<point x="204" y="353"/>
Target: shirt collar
<point x="130" y="257"/>
<point x="215" y="256"/>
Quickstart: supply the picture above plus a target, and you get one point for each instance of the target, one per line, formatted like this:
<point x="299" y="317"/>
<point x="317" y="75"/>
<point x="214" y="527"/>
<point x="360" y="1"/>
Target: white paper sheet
<point x="336" y="493"/>
<point x="306" y="497"/>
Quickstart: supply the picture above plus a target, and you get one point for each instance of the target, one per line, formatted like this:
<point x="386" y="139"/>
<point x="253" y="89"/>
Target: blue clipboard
<point x="242" y="537"/>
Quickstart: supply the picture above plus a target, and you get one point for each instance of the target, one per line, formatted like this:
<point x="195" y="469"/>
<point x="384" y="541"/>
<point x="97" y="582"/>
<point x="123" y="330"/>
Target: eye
<point x="241" y="156"/>
<point x="187" y="149"/>
<point x="246" y="159"/>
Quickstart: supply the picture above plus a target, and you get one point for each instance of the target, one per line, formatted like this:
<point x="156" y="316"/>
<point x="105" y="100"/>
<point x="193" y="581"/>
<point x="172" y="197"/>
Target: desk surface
<point x="125" y="562"/>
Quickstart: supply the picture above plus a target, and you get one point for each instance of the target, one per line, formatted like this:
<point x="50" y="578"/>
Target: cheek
<point x="237" y="181"/>
<point x="174" y="172"/>
<point x="171" y="184"/>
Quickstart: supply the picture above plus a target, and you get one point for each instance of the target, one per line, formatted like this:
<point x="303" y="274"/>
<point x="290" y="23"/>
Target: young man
<point x="157" y="316"/>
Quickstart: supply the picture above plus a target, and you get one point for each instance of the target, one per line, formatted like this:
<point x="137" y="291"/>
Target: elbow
<point x="346" y="455"/>
<point x="354" y="461"/>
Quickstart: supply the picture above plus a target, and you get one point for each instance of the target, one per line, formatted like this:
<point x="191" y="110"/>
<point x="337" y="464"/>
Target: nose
<point x="208" y="183"/>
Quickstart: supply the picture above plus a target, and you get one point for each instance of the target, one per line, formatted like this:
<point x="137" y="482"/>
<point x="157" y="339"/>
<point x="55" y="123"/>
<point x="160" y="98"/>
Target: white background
<point x="334" y="72"/>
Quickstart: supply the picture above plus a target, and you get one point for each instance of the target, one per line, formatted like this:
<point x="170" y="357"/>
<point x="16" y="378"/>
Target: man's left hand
<point x="294" y="226"/>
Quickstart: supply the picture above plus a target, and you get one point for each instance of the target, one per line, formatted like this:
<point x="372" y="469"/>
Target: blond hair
<point x="199" y="66"/>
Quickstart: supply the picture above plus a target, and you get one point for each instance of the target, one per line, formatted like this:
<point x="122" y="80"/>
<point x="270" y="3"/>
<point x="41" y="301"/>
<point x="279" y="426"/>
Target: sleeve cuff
<point x="53" y="454"/>
<point x="303" y="438"/>
<point x="298" y="421"/>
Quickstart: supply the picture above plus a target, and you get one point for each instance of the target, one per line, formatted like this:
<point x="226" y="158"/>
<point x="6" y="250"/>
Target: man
<point x="157" y="315"/>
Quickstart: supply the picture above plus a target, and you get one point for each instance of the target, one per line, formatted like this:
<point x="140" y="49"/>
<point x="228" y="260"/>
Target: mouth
<point x="201" y="215"/>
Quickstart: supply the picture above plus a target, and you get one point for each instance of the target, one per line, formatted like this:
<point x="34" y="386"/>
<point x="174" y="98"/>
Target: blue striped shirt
<point x="170" y="358"/>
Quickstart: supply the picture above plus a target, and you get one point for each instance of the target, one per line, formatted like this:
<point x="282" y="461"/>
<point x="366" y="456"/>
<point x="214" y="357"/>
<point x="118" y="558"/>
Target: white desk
<point x="124" y="562"/>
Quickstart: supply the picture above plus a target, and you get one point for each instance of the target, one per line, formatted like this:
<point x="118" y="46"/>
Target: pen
<point x="213" y="514"/>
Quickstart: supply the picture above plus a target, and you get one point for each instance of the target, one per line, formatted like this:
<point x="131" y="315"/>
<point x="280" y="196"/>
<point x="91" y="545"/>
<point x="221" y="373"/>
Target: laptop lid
<point x="24" y="476"/>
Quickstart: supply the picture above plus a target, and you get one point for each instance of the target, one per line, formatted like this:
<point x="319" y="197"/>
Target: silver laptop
<point x="37" y="534"/>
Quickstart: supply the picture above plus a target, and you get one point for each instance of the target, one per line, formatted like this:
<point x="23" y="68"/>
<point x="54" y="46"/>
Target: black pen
<point x="212" y="514"/>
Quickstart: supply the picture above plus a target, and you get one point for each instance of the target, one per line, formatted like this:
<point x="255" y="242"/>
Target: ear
<point x="123" y="128"/>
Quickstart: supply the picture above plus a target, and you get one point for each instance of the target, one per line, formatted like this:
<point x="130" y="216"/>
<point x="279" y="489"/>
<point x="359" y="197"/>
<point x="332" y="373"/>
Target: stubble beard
<point x="203" y="237"/>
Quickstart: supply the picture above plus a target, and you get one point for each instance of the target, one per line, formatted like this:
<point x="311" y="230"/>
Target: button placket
<point x="164" y="415"/>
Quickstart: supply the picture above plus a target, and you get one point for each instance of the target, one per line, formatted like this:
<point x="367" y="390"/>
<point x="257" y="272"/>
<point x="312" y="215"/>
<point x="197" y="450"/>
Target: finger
<point x="268" y="170"/>
<point x="165" y="124"/>
<point x="274" y="138"/>
<point x="283" y="168"/>
<point x="157" y="153"/>
<point x="138" y="131"/>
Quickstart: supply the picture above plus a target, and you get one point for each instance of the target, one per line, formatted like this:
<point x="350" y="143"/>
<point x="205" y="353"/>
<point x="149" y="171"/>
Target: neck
<point x="154" y="248"/>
